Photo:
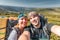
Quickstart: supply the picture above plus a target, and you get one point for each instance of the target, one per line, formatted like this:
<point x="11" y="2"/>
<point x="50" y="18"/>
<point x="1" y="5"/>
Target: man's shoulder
<point x="27" y="27"/>
<point x="48" y="26"/>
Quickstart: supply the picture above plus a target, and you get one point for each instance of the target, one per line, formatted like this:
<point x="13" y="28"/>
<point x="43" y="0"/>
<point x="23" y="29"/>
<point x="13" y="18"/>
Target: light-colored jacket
<point x="13" y="35"/>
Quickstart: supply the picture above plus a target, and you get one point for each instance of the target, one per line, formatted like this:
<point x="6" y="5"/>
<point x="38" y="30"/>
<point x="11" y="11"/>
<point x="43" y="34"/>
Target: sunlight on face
<point x="34" y="19"/>
<point x="23" y="21"/>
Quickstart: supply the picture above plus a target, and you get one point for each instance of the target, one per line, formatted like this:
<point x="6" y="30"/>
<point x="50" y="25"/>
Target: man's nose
<point x="33" y="19"/>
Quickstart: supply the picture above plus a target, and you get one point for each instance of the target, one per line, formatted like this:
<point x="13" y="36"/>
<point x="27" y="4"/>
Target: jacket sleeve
<point x="13" y="35"/>
<point x="49" y="25"/>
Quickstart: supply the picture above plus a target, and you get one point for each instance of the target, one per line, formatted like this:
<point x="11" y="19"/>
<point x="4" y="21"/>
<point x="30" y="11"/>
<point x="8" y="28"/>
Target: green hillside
<point x="52" y="14"/>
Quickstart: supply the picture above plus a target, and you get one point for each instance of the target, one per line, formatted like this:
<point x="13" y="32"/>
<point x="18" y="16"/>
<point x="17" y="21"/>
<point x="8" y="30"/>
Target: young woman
<point x="16" y="32"/>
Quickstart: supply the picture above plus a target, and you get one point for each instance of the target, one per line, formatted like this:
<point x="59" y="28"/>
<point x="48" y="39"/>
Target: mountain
<point x="13" y="8"/>
<point x="23" y="9"/>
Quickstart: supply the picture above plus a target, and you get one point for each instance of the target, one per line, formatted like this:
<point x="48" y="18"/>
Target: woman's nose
<point x="24" y="20"/>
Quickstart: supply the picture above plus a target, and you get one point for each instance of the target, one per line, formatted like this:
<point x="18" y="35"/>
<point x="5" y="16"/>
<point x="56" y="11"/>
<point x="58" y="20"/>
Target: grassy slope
<point x="52" y="16"/>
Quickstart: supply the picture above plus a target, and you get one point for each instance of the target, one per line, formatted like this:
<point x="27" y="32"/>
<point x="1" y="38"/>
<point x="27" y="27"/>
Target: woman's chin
<point x="23" y="26"/>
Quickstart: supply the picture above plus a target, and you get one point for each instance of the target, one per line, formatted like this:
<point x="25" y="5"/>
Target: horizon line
<point x="30" y="7"/>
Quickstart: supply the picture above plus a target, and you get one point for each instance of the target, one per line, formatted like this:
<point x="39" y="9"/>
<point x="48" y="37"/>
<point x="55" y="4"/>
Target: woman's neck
<point x="21" y="28"/>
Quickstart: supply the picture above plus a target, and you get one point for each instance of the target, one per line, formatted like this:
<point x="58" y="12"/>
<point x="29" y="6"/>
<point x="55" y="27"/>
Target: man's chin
<point x="35" y="24"/>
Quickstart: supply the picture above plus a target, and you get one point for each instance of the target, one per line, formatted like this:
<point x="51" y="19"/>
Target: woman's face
<point x="23" y="21"/>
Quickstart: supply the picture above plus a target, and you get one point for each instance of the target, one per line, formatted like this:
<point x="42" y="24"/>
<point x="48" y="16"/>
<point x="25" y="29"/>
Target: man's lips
<point x="34" y="21"/>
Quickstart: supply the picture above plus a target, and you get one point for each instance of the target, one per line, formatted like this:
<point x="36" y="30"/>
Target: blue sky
<point x="31" y="3"/>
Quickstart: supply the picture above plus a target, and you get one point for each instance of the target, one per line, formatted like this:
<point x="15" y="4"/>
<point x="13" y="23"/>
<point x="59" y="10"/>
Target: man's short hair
<point x="32" y="14"/>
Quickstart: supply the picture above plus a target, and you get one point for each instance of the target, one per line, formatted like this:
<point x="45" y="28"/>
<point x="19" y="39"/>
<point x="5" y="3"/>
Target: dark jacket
<point x="9" y="25"/>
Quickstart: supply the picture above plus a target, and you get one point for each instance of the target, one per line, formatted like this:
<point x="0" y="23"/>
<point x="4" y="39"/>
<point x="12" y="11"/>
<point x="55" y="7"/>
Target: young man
<point x="37" y="30"/>
<point x="22" y="23"/>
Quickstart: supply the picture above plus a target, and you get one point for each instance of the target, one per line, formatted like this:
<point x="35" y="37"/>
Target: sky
<point x="31" y="3"/>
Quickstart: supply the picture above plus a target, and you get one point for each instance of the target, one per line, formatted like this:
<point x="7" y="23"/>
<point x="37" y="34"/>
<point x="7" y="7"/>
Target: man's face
<point x="23" y="21"/>
<point x="34" y="19"/>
